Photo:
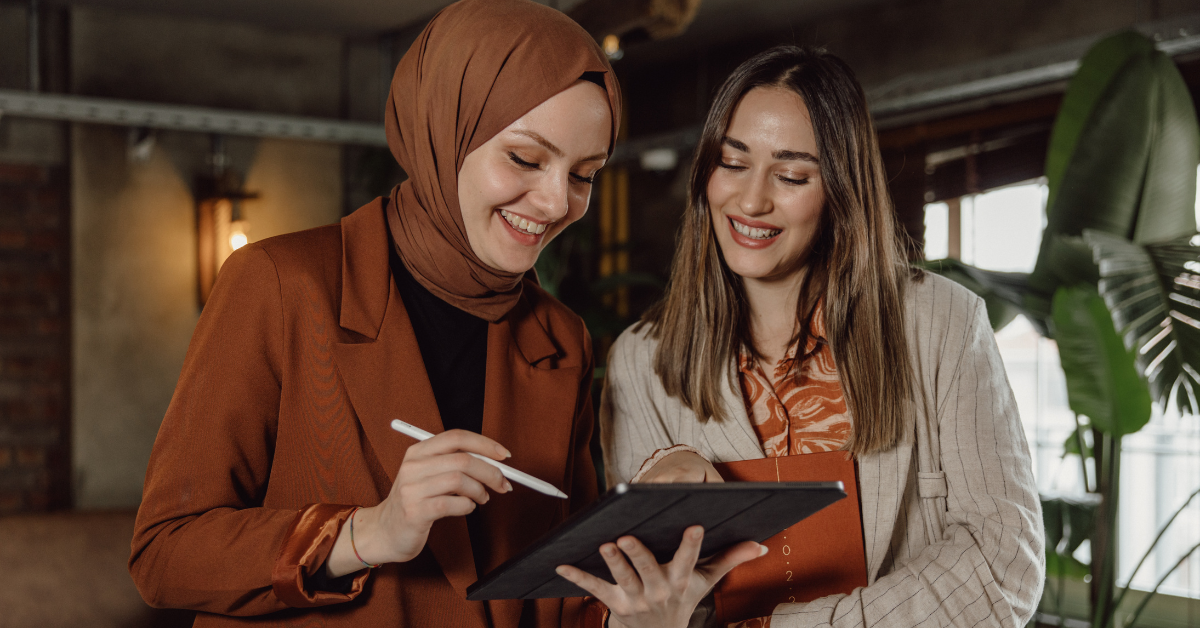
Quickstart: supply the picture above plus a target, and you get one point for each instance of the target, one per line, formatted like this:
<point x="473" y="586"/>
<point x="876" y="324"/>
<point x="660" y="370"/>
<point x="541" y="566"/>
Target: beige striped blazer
<point x="951" y="518"/>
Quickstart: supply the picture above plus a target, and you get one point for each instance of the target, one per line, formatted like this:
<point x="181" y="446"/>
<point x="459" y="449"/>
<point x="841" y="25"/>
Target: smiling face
<point x="766" y="195"/>
<point x="522" y="187"/>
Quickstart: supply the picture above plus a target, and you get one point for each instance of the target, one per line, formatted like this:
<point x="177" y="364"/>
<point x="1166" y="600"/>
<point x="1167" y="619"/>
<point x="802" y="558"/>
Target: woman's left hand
<point x="658" y="596"/>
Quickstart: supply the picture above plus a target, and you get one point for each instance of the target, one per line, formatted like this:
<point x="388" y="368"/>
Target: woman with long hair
<point x="277" y="493"/>
<point x="794" y="329"/>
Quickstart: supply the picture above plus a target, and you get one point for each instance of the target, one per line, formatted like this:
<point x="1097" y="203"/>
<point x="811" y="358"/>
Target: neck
<point x="773" y="313"/>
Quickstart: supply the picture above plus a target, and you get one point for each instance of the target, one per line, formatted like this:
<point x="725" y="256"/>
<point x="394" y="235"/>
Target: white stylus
<point x="519" y="477"/>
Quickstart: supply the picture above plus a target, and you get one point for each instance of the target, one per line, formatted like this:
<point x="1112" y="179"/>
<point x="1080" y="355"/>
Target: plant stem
<point x="1150" y="550"/>
<point x="1146" y="600"/>
<point x="1082" y="454"/>
<point x="1109" y="485"/>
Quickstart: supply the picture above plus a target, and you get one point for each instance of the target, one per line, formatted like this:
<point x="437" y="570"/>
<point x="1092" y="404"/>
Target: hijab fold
<point x="478" y="66"/>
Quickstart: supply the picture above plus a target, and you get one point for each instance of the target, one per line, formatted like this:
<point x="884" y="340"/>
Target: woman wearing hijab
<point x="276" y="485"/>
<point x="795" y="339"/>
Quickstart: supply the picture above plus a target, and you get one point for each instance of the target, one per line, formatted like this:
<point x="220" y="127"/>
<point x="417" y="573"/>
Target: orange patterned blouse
<point x="795" y="411"/>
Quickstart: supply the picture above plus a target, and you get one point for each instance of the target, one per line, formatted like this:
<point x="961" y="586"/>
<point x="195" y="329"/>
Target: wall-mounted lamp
<point x="612" y="47"/>
<point x="659" y="159"/>
<point x="221" y="225"/>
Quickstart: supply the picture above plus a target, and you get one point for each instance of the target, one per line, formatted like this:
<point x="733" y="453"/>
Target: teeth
<point x="755" y="233"/>
<point x="522" y="224"/>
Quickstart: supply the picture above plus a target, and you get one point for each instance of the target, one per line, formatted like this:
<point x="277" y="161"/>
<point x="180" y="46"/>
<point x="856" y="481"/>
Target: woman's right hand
<point x="438" y="478"/>
<point x="682" y="467"/>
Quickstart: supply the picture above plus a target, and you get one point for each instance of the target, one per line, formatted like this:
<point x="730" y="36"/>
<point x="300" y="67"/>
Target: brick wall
<point x="35" y="325"/>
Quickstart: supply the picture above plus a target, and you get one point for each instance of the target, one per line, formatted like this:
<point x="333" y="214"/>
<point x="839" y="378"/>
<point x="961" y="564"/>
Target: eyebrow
<point x="556" y="151"/>
<point x="785" y="155"/>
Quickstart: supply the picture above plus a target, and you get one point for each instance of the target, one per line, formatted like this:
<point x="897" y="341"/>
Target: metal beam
<point x="911" y="96"/>
<point x="1017" y="71"/>
<point x="181" y="118"/>
<point x="35" y="46"/>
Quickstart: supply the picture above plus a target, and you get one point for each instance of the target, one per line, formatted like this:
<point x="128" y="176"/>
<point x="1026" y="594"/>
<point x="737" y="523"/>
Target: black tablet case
<point x="657" y="514"/>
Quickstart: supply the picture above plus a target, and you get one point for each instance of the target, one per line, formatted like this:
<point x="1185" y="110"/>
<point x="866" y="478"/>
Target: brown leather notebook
<point x="821" y="555"/>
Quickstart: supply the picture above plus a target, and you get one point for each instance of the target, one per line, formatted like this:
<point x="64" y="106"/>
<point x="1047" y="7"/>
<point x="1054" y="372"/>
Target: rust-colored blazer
<point x="280" y="425"/>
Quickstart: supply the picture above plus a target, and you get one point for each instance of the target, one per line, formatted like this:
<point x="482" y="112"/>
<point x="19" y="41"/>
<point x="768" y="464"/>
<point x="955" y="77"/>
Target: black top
<point x="453" y="347"/>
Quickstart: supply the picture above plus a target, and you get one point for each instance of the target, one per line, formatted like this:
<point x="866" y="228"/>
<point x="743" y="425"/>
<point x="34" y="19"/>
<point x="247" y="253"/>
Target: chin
<point x="748" y="273"/>
<point x="513" y="261"/>
<point x="748" y="268"/>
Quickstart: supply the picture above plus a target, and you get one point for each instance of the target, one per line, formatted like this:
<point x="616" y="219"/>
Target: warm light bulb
<point x="237" y="237"/>
<point x="612" y="47"/>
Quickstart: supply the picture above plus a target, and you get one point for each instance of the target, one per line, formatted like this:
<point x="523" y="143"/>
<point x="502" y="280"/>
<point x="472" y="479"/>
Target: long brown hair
<point x="856" y="266"/>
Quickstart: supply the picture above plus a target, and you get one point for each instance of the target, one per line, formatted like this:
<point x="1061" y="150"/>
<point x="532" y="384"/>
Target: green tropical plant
<point x="1150" y="550"/>
<point x="1068" y="521"/>
<point x="1121" y="168"/>
<point x="1103" y="382"/>
<point x="1121" y="160"/>
<point x="1104" y="385"/>
<point x="1153" y="291"/>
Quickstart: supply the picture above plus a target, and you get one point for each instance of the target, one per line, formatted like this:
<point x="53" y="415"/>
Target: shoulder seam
<point x="282" y="318"/>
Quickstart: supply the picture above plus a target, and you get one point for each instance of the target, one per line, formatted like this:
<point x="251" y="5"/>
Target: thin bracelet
<point x="360" y="559"/>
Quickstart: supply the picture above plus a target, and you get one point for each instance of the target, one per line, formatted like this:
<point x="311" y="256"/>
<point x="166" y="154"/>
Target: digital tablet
<point x="657" y="514"/>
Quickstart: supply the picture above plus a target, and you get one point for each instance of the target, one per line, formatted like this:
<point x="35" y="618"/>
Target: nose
<point x="753" y="198"/>
<point x="551" y="197"/>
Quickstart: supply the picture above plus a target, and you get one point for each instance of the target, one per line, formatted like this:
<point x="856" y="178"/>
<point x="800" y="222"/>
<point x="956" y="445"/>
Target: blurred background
<point x="143" y="140"/>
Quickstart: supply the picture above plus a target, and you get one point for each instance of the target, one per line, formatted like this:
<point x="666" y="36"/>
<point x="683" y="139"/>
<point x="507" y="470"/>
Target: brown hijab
<point x="476" y="68"/>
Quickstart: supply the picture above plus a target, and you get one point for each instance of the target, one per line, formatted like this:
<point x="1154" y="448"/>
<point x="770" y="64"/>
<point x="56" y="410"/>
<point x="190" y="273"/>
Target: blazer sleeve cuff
<point x="658" y="456"/>
<point x="594" y="615"/>
<point x="306" y="546"/>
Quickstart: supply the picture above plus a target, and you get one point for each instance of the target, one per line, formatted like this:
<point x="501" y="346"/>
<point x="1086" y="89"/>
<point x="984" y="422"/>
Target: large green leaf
<point x="1096" y="72"/>
<point x="1102" y="378"/>
<point x="1071" y="258"/>
<point x="1068" y="522"/>
<point x="1168" y="204"/>
<point x="1068" y="566"/>
<point x="1153" y="292"/>
<point x="1122" y="158"/>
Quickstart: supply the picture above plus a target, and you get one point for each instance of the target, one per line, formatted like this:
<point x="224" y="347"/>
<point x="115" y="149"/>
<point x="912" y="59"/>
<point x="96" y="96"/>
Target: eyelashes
<point x="787" y="180"/>
<point x="529" y="165"/>
<point x="521" y="162"/>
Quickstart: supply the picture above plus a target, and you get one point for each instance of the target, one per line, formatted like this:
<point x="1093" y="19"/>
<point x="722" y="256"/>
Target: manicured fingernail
<point x="608" y="550"/>
<point x="504" y="453"/>
<point x="762" y="550"/>
<point x="697" y="534"/>
<point x="508" y="486"/>
<point x="560" y="571"/>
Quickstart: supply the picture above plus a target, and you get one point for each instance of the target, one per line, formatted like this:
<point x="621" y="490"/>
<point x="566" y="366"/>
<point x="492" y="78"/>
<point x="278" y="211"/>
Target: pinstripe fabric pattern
<point x="951" y="518"/>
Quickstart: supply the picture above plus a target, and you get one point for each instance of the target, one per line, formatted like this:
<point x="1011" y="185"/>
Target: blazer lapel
<point x="385" y="377"/>
<point x="529" y="407"/>
<point x="734" y="438"/>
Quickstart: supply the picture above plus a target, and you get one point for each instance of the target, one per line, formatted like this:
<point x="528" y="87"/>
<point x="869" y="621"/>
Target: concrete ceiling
<point x="716" y="19"/>
<point x="327" y="16"/>
<point x="723" y="20"/>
